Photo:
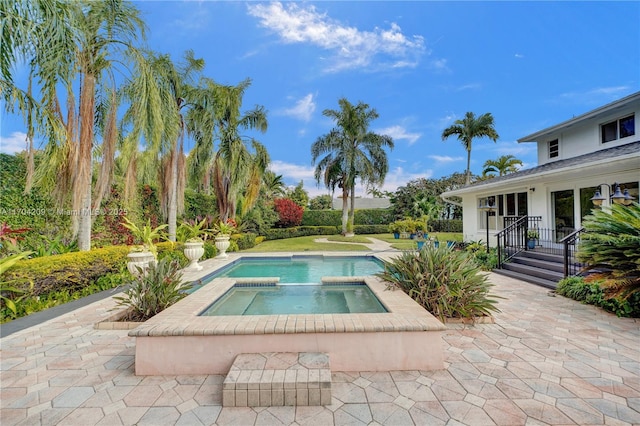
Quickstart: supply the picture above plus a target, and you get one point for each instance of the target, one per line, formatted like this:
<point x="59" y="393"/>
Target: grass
<point x="309" y="244"/>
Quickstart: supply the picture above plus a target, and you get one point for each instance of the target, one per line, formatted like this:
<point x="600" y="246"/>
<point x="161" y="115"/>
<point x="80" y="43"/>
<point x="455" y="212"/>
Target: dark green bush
<point x="599" y="293"/>
<point x="446" y="282"/>
<point x="245" y="240"/>
<point x="301" y="231"/>
<point x="370" y="229"/>
<point x="448" y="225"/>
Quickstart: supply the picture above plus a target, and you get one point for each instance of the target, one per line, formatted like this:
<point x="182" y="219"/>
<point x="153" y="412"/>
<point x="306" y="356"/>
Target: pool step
<point x="278" y="378"/>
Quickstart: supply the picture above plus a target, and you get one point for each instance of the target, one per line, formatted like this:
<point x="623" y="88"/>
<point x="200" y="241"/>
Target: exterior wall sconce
<point x="487" y="207"/>
<point x="618" y="196"/>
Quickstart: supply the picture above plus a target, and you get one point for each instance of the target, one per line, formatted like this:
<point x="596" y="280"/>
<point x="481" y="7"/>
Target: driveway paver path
<point x="546" y="361"/>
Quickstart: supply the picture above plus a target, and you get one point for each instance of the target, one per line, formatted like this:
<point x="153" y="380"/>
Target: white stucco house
<point x="593" y="151"/>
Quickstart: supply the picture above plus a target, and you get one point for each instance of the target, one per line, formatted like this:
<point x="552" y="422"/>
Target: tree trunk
<point x="352" y="210"/>
<point x="468" y="177"/>
<point x="172" y="213"/>
<point x="82" y="190"/>
<point x="345" y="210"/>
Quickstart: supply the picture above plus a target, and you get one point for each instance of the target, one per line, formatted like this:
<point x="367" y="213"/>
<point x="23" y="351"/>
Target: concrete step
<point x="550" y="284"/>
<point x="539" y="263"/>
<point x="545" y="274"/>
<point x="277" y="379"/>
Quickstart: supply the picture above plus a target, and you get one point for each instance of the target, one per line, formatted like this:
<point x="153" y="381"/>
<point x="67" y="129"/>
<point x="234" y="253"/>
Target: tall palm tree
<point x="79" y="55"/>
<point x="350" y="151"/>
<point x="469" y="128"/>
<point x="503" y="165"/>
<point x="235" y="169"/>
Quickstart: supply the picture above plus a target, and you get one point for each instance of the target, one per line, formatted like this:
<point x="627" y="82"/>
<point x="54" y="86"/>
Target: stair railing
<point x="512" y="240"/>
<point x="571" y="266"/>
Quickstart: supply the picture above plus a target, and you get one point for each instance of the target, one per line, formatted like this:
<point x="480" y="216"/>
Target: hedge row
<point x="446" y="225"/>
<point x="334" y="217"/>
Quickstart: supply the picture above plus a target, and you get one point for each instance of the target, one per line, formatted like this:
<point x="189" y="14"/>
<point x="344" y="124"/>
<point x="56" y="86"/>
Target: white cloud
<point x="445" y="159"/>
<point x="519" y="55"/>
<point x="440" y="65"/>
<point x="303" y="108"/>
<point x="14" y="143"/>
<point x="399" y="132"/>
<point x="350" y="47"/>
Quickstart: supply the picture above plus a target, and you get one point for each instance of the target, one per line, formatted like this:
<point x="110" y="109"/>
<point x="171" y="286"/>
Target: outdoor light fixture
<point x="487" y="207"/>
<point x="618" y="197"/>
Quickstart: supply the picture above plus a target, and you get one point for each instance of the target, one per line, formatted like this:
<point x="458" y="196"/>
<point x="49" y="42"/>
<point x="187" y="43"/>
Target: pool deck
<point x="545" y="361"/>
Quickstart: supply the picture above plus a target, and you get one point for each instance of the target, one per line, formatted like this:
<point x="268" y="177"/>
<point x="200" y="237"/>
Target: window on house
<point x="553" y="148"/>
<point x="618" y="129"/>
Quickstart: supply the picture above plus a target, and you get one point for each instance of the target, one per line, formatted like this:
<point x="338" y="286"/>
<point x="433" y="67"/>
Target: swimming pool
<point x="296" y="299"/>
<point x="297" y="269"/>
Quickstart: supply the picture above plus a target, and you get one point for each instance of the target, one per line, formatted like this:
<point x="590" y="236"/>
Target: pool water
<point x="301" y="269"/>
<point x="296" y="299"/>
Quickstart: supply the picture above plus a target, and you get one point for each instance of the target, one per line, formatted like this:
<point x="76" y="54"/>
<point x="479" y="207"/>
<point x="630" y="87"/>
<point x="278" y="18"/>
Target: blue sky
<point x="420" y="64"/>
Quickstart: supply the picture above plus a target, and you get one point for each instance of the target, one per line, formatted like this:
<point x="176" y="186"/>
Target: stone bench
<point x="278" y="379"/>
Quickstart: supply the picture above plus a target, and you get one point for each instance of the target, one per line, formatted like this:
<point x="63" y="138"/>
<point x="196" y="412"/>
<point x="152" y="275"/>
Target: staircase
<point x="535" y="266"/>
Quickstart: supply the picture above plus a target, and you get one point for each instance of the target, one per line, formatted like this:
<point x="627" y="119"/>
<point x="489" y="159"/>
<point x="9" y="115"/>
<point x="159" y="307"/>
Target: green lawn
<point x="308" y="243"/>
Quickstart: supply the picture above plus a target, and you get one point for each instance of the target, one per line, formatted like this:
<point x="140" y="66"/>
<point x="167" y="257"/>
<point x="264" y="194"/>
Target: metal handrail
<point x="567" y="242"/>
<point x="501" y="238"/>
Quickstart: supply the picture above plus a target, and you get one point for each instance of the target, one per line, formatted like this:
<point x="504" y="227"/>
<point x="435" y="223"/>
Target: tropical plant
<point x="446" y="282"/>
<point x="504" y="165"/>
<point x="468" y="129"/>
<point x="151" y="293"/>
<point x="5" y="289"/>
<point x="76" y="50"/>
<point x="224" y="227"/>
<point x="145" y="235"/>
<point x="611" y="244"/>
<point x="350" y="151"/>
<point x="532" y="234"/>
<point x="193" y="231"/>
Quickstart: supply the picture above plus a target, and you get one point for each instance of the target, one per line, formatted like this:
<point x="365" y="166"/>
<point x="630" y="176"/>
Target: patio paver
<point x="546" y="360"/>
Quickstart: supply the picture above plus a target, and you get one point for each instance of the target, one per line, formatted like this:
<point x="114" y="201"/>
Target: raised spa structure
<point x="191" y="338"/>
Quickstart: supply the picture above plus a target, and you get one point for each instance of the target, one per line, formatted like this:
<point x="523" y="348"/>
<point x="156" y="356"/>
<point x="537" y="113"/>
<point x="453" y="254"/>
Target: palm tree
<point x="235" y="170"/>
<point x="504" y="165"/>
<point x="350" y="151"/>
<point x="469" y="128"/>
<point x="79" y="53"/>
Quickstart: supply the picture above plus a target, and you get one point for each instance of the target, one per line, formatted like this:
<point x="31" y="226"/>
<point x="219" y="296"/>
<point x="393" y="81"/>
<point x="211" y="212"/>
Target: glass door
<point x="563" y="218"/>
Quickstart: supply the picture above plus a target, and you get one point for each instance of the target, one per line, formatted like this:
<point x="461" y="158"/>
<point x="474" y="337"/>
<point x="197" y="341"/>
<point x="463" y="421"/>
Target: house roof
<point x="601" y="111"/>
<point x="630" y="149"/>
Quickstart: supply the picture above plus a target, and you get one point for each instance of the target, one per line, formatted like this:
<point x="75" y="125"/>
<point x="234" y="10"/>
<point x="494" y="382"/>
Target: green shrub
<point x="334" y="217"/>
<point x="370" y="229"/>
<point x="445" y="225"/>
<point x="301" y="231"/>
<point x="245" y="240"/>
<point x="446" y="282"/>
<point x="603" y="293"/>
<point x="69" y="271"/>
<point x="154" y="291"/>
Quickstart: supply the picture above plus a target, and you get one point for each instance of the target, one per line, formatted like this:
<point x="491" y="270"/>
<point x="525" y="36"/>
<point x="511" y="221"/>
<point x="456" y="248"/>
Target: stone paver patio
<point x="546" y="360"/>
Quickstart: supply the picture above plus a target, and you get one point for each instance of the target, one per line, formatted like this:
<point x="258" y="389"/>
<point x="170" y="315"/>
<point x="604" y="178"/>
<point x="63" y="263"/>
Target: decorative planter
<point x="194" y="251"/>
<point x="450" y="244"/>
<point x="420" y="244"/>
<point x="531" y="244"/>
<point x="436" y="244"/>
<point x="404" y="235"/>
<point x="222" y="244"/>
<point x="396" y="235"/>
<point x="139" y="259"/>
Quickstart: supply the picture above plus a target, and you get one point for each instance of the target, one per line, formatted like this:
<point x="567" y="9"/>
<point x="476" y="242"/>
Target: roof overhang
<point x="623" y="163"/>
<point x="602" y="111"/>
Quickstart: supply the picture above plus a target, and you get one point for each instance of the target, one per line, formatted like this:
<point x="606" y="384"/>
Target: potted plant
<point x="532" y="238"/>
<point x="145" y="251"/>
<point x="193" y="234"/>
<point x="395" y="228"/>
<point x="223" y="232"/>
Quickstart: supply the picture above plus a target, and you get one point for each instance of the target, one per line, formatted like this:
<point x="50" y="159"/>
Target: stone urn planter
<point x="139" y="259"/>
<point x="193" y="251"/>
<point x="222" y="244"/>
